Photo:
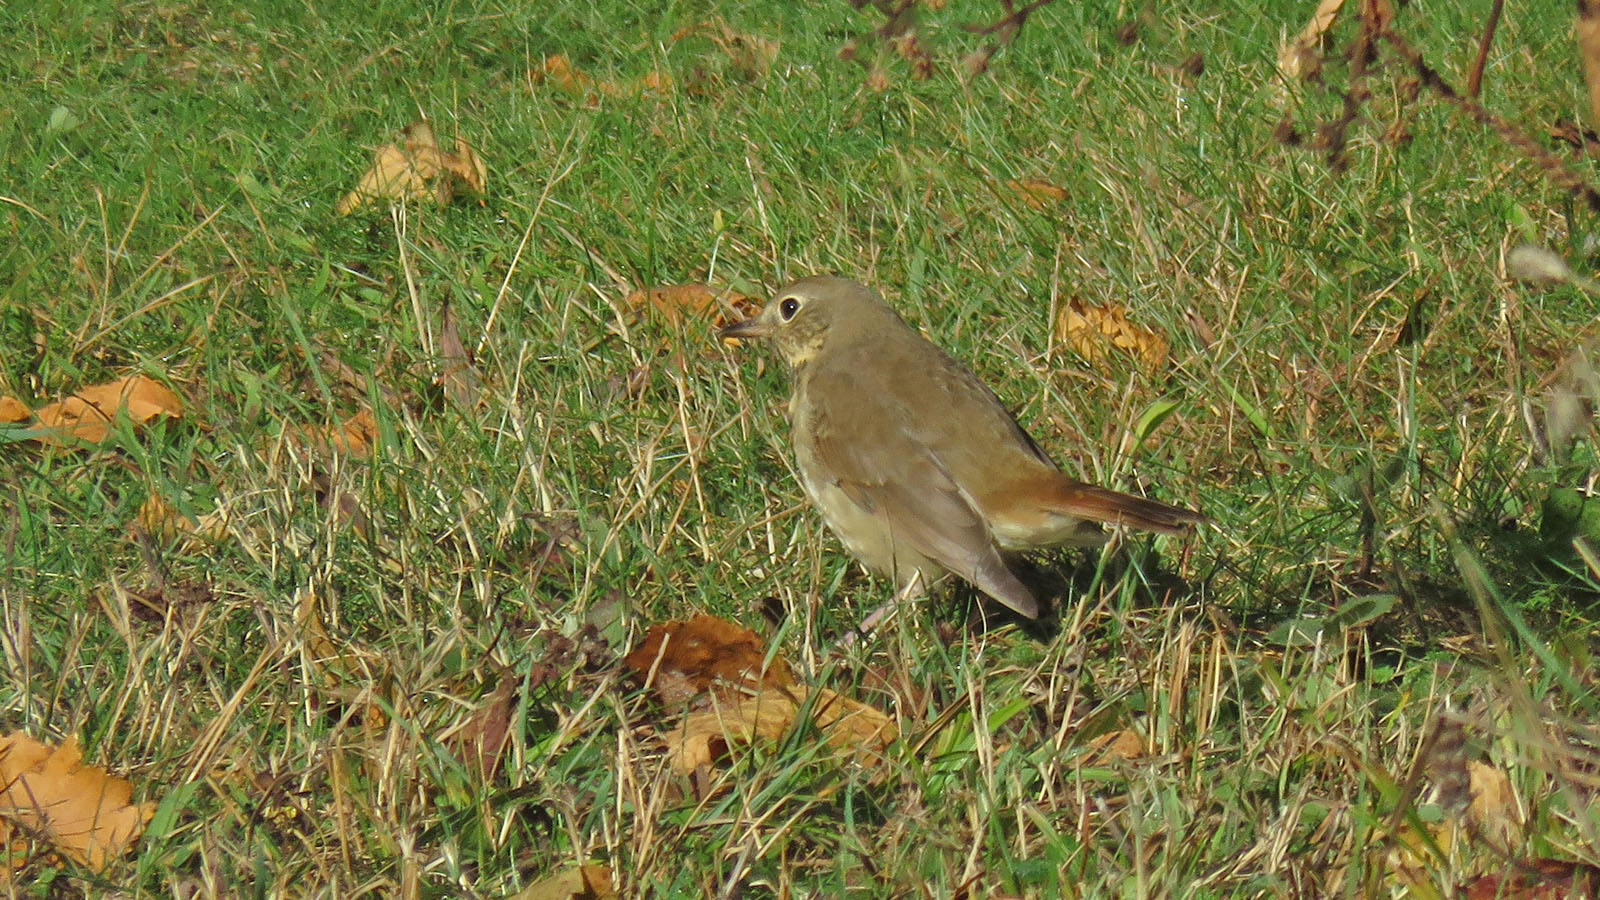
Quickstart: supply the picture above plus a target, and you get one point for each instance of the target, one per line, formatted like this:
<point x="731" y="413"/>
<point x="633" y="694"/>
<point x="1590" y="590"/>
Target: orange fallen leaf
<point x="559" y="71"/>
<point x="1494" y="809"/>
<point x="355" y="436"/>
<point x="750" y="54"/>
<point x="87" y="416"/>
<point x="1115" y="745"/>
<point x="13" y="410"/>
<point x="1537" y="879"/>
<point x="1036" y="192"/>
<point x="746" y="696"/>
<point x="481" y="742"/>
<point x="81" y="811"/>
<point x="1091" y="330"/>
<point x="417" y="169"/>
<point x="158" y="519"/>
<point x="674" y="304"/>
<point x="590" y="882"/>
<point x="1297" y="56"/>
<point x="769" y="714"/>
<point x="682" y="659"/>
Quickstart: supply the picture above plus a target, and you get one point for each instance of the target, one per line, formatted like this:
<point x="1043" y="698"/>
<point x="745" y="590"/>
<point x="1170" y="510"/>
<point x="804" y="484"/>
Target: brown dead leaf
<point x="1036" y="192"/>
<point x="1091" y="330"/>
<point x="749" y="698"/>
<point x="1114" y="746"/>
<point x="1537" y="879"/>
<point x="752" y="56"/>
<point x="769" y="714"/>
<point x="1587" y="30"/>
<point x="87" y="416"/>
<point x="589" y="882"/>
<point x="558" y="70"/>
<point x="13" y="410"/>
<point x="81" y="811"/>
<point x="682" y="659"/>
<point x="1297" y="56"/>
<point x="482" y="741"/>
<point x="678" y="304"/>
<point x="417" y="169"/>
<point x="355" y="437"/>
<point x="158" y="519"/>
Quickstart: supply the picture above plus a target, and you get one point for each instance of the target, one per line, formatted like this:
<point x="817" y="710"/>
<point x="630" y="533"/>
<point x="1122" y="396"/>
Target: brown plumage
<point x="913" y="462"/>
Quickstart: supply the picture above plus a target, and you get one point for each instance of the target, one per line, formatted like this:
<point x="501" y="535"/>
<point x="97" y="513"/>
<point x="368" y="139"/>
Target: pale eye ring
<point x="788" y="308"/>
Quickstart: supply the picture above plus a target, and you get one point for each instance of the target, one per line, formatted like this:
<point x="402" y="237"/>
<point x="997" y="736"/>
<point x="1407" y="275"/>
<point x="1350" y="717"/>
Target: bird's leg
<point x="910" y="589"/>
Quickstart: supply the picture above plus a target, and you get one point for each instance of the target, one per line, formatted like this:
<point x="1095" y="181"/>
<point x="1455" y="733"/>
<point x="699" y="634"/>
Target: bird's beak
<point x="753" y="327"/>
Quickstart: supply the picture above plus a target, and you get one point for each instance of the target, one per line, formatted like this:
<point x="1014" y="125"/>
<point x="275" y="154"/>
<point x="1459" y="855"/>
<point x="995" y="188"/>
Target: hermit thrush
<point x="913" y="461"/>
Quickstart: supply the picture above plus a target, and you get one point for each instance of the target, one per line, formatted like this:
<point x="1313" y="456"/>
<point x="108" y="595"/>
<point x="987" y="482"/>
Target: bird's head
<point x="805" y="315"/>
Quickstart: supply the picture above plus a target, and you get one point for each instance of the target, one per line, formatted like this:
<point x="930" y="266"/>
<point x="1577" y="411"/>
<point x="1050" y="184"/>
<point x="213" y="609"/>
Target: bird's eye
<point x="788" y="308"/>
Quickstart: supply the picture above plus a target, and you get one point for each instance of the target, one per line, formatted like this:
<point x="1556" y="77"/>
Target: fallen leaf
<point x="747" y="696"/>
<point x="355" y="436"/>
<point x="1537" y="879"/>
<point x="482" y="741"/>
<point x="1297" y="57"/>
<point x="1587" y="31"/>
<point x="87" y="416"/>
<point x="769" y="714"/>
<point x="13" y="410"/>
<point x="158" y="519"/>
<point x="590" y="882"/>
<point x="81" y="811"/>
<point x="417" y="169"/>
<point x="1494" y="807"/>
<point x="1091" y="329"/>
<point x="682" y="659"/>
<point x="1037" y="193"/>
<point x="752" y="56"/>
<point x="559" y="71"/>
<point x="1115" y="745"/>
<point x="677" y="303"/>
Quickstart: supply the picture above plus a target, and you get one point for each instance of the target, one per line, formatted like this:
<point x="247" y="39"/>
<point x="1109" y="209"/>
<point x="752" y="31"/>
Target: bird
<point x="913" y="462"/>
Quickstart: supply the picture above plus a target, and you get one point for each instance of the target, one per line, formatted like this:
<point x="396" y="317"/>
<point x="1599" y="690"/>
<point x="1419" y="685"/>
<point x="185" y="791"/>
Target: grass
<point x="1352" y="374"/>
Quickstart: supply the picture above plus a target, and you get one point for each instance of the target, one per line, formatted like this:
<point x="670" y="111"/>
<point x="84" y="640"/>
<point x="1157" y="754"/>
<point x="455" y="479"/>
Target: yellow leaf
<point x="752" y="696"/>
<point x="769" y="714"/>
<point x="559" y="71"/>
<point x="1093" y="330"/>
<point x="677" y="303"/>
<point x="1036" y="192"/>
<point x="590" y="882"/>
<point x="13" y="410"/>
<point x="87" y="415"/>
<point x="417" y="169"/>
<point x="1116" y="745"/>
<point x="1295" y="56"/>
<point x="355" y="437"/>
<point x="81" y="811"/>
<point x="159" y="519"/>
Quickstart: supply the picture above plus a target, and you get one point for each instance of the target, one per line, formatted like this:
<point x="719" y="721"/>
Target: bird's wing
<point x="868" y="449"/>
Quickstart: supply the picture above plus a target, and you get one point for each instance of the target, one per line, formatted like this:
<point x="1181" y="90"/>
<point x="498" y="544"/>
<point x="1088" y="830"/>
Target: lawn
<point x="437" y="468"/>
